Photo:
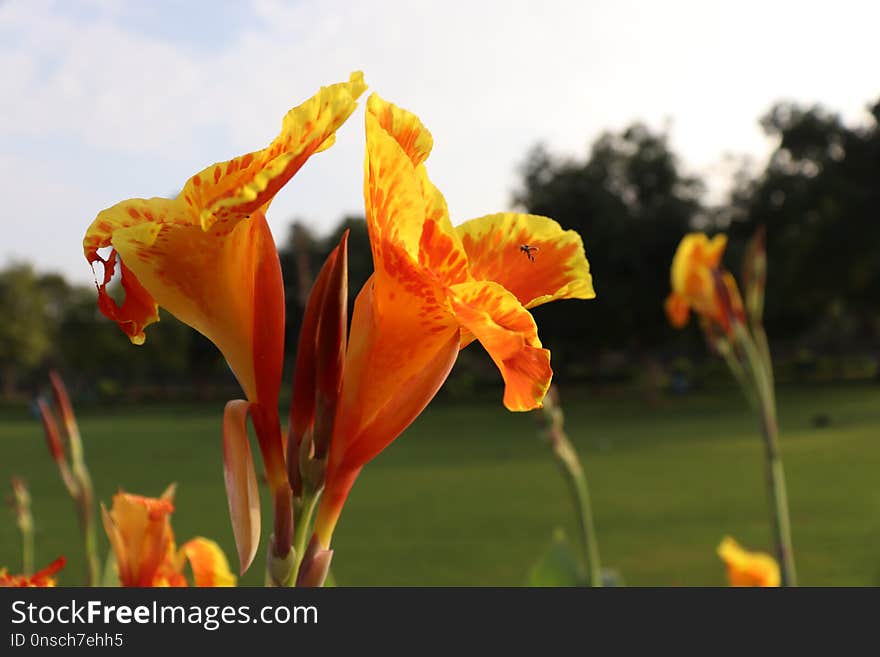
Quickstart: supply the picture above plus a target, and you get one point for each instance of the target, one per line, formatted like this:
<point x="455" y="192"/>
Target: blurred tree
<point x="819" y="198"/>
<point x="631" y="204"/>
<point x="25" y="338"/>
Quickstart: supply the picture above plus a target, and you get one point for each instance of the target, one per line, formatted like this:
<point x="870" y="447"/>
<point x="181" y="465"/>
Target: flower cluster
<point x="208" y="257"/>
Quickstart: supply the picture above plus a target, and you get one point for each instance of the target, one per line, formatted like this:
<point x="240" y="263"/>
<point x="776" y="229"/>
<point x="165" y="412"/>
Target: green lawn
<point x="469" y="495"/>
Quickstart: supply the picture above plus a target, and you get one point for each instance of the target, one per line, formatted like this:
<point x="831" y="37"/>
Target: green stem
<point x="739" y="373"/>
<point x="571" y="467"/>
<point x="763" y="346"/>
<point x="570" y="464"/>
<point x="304" y="510"/>
<point x="780" y="517"/>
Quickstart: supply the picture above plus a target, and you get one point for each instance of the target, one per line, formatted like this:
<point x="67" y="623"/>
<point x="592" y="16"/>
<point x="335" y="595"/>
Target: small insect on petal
<point x="529" y="251"/>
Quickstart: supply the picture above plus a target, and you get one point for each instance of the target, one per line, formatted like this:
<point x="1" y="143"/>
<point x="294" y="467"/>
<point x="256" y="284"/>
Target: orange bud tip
<point x="50" y="428"/>
<point x="62" y="398"/>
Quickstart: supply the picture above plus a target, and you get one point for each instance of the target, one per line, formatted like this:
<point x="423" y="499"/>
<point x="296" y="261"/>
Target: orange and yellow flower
<point x="208" y="257"/>
<point x="139" y="529"/>
<point x="699" y="283"/>
<point x="43" y="578"/>
<point x="434" y="290"/>
<point x="746" y="568"/>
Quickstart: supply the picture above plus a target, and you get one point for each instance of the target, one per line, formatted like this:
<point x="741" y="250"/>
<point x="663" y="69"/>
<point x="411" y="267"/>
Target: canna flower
<point x="700" y="284"/>
<point x="43" y="578"/>
<point x="434" y="290"/>
<point x="139" y="529"/>
<point x="208" y="258"/>
<point x="746" y="568"/>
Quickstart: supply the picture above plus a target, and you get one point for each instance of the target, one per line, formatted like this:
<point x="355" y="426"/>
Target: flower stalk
<point x="316" y="387"/>
<point x="762" y="390"/>
<point x="74" y="473"/>
<point x="552" y="421"/>
<point x="734" y="328"/>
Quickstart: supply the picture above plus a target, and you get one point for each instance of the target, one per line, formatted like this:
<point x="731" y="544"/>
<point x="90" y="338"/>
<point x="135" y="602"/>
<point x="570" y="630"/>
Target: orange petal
<point x="557" y="268"/>
<point x="508" y="332"/>
<point x="677" y="310"/>
<point x="241" y="482"/>
<point x="394" y="335"/>
<point x="215" y="281"/>
<point x="209" y="564"/>
<point x="349" y="452"/>
<point x="43" y="578"/>
<point x="404" y="209"/>
<point x="245" y="184"/>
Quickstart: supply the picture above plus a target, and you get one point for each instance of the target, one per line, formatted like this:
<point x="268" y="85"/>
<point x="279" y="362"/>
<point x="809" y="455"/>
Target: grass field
<point x="470" y="496"/>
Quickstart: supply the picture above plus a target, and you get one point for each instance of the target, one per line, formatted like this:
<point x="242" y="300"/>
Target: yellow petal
<point x="508" y="332"/>
<point x="695" y="254"/>
<point x="531" y="256"/>
<point x="245" y="184"/>
<point x="746" y="568"/>
<point x="403" y="126"/>
<point x="209" y="564"/>
<point x="395" y="206"/>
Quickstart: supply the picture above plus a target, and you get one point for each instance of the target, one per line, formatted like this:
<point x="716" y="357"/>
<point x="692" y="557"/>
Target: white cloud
<point x="488" y="78"/>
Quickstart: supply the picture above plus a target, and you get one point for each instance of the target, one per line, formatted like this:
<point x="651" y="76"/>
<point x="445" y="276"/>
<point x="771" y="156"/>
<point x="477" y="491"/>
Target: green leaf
<point x="558" y="566"/>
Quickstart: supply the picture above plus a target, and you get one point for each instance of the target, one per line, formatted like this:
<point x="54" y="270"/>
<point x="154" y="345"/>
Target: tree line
<point x="630" y="199"/>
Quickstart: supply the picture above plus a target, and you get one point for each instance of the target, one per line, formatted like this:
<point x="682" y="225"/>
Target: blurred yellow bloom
<point x="699" y="283"/>
<point x="746" y="568"/>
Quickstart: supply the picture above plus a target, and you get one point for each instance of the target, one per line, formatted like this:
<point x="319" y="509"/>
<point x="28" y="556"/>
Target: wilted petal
<point x="241" y="482"/>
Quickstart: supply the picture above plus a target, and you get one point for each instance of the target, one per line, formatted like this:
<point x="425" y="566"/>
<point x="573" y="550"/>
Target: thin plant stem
<point x="724" y="347"/>
<point x="84" y="499"/>
<point x="570" y="464"/>
<point x="780" y="517"/>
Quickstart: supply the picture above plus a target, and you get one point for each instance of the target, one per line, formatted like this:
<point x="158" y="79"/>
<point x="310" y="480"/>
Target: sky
<point x="104" y="100"/>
